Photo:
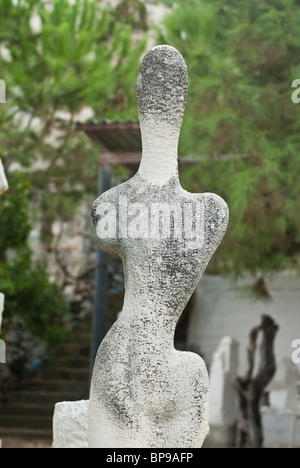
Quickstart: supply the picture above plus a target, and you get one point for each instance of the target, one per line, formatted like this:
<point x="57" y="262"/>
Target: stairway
<point x="62" y="377"/>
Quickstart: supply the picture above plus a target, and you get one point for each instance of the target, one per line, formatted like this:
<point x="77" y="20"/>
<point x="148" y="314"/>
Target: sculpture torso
<point x="144" y="393"/>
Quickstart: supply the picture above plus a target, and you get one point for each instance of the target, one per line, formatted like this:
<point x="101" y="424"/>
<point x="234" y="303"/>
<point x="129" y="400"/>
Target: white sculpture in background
<point x="222" y="374"/>
<point x="145" y="393"/>
<point x="3" y="180"/>
<point x="223" y="405"/>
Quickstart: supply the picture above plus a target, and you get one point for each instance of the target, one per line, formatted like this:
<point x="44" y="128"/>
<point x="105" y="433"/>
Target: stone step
<point x="37" y="421"/>
<point x="26" y="433"/>
<point x="54" y="385"/>
<point x="27" y="408"/>
<point x="74" y="350"/>
<point x="75" y="373"/>
<point x="84" y="324"/>
<point x="70" y="361"/>
<point x="63" y="376"/>
<point x="41" y="396"/>
<point x="79" y="335"/>
<point x="82" y="334"/>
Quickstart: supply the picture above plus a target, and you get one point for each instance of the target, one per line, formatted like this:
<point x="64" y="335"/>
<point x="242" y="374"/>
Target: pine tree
<point x="78" y="57"/>
<point x="56" y="58"/>
<point x="242" y="58"/>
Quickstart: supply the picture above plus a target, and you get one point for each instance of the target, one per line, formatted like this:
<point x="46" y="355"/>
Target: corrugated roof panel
<point x="114" y="136"/>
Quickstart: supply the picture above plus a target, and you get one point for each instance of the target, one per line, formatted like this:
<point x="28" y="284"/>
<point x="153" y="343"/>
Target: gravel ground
<point x="16" y="442"/>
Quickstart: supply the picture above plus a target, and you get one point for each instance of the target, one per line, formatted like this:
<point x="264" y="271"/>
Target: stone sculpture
<point x="70" y="424"/>
<point x="145" y="393"/>
<point x="223" y="405"/>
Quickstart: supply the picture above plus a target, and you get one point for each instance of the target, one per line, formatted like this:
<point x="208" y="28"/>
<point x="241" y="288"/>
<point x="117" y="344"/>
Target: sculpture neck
<point x="159" y="161"/>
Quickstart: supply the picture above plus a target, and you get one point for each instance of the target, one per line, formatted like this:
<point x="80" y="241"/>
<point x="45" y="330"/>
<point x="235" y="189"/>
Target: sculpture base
<point x="70" y="424"/>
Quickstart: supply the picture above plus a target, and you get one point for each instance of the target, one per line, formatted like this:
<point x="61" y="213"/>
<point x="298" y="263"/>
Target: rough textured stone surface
<point x="3" y="180"/>
<point x="70" y="424"/>
<point x="145" y="393"/>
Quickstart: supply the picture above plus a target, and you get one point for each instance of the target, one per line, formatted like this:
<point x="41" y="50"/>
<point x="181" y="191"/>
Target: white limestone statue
<point x="144" y="392"/>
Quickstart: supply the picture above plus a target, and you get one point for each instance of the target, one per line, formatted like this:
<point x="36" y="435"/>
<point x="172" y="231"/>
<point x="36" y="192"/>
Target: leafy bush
<point x="242" y="58"/>
<point x="28" y="291"/>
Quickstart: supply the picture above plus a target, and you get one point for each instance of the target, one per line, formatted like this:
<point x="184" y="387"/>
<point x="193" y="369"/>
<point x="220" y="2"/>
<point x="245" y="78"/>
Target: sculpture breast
<point x="145" y="393"/>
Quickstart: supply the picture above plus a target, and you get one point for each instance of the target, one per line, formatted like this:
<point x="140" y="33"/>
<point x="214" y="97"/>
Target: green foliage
<point x="28" y="291"/>
<point x="78" y="57"/>
<point x="242" y="58"/>
<point x="57" y="58"/>
<point x="30" y="295"/>
<point x="14" y="209"/>
<point x="132" y="12"/>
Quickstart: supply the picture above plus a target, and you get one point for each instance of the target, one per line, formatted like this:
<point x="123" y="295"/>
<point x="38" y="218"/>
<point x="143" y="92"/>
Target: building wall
<point x="223" y="308"/>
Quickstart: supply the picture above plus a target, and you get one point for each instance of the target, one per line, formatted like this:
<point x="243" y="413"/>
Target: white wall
<point x="223" y="308"/>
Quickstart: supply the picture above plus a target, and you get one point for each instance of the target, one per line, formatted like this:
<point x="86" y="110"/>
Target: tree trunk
<point x="250" y="387"/>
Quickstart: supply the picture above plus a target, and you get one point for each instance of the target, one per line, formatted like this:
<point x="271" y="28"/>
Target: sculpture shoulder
<point x="104" y="217"/>
<point x="217" y="206"/>
<point x="110" y="196"/>
<point x="215" y="209"/>
<point x="216" y="214"/>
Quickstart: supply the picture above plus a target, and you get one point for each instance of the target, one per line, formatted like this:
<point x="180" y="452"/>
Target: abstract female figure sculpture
<point x="145" y="393"/>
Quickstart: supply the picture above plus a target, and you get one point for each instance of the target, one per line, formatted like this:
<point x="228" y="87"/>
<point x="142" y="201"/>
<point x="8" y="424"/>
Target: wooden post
<point x="250" y="387"/>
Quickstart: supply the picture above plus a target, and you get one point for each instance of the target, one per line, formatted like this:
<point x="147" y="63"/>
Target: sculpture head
<point x="162" y="84"/>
